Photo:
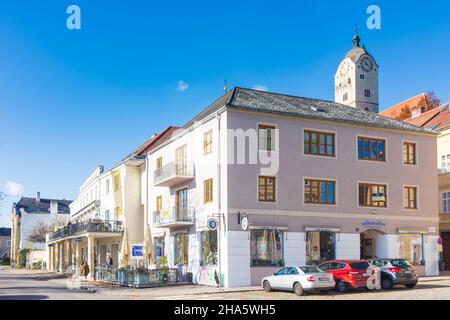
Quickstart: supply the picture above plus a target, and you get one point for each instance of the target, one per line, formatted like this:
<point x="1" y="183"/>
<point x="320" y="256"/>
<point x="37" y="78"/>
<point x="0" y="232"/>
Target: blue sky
<point x="70" y="100"/>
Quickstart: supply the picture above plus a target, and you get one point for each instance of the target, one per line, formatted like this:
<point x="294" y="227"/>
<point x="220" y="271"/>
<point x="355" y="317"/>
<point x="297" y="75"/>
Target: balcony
<point x="173" y="173"/>
<point x="78" y="228"/>
<point x="174" y="217"/>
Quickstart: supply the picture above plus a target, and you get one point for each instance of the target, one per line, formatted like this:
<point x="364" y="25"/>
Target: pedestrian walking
<point x="84" y="271"/>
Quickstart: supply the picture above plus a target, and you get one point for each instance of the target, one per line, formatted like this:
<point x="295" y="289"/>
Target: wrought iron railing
<point x="177" y="168"/>
<point x="86" y="226"/>
<point x="137" y="278"/>
<point x="174" y="214"/>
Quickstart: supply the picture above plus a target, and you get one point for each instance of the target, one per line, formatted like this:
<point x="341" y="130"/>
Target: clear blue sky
<point x="70" y="100"/>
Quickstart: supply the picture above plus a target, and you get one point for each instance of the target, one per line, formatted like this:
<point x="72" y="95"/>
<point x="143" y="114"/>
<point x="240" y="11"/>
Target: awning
<point x="328" y="229"/>
<point x="262" y="227"/>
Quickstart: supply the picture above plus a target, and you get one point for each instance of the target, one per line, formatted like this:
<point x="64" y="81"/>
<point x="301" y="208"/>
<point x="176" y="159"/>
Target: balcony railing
<point x="175" y="216"/>
<point x="173" y="173"/>
<point x="86" y="226"/>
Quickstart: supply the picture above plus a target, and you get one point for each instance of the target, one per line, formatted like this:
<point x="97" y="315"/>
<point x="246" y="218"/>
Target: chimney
<point x="38" y="196"/>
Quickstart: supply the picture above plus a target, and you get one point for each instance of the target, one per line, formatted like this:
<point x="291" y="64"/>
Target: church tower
<point x="356" y="80"/>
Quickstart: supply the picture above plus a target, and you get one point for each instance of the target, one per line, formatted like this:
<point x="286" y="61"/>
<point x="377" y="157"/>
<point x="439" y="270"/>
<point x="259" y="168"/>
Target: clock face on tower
<point x="366" y="64"/>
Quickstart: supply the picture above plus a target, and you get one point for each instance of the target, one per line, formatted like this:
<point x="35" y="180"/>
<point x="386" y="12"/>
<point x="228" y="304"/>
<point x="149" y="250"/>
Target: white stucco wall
<point x="348" y="246"/>
<point x="431" y="255"/>
<point x="295" y="249"/>
<point x="237" y="259"/>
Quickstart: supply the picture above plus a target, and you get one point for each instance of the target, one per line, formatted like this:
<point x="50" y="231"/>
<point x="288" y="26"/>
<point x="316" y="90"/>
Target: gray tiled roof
<point x="260" y="101"/>
<point x="30" y="205"/>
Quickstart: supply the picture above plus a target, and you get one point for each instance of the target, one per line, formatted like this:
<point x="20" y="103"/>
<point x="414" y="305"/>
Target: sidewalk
<point x="443" y="275"/>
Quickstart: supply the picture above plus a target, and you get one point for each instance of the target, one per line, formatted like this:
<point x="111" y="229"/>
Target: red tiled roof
<point x="412" y="104"/>
<point x="154" y="141"/>
<point x="435" y="119"/>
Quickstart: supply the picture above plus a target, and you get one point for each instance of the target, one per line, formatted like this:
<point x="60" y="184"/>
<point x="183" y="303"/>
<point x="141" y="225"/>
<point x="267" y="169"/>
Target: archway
<point x="371" y="244"/>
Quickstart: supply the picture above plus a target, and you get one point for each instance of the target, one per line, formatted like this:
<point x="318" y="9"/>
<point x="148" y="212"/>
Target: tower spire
<point x="356" y="38"/>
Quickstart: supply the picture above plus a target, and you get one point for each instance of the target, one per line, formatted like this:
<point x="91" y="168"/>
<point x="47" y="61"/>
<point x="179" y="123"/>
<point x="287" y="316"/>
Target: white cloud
<point x="260" y="87"/>
<point x="14" y="189"/>
<point x="182" y="86"/>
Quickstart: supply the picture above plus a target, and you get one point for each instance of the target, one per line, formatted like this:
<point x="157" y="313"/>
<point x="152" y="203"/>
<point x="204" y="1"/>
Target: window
<point x="361" y="76"/>
<point x="409" y="153"/>
<point x="318" y="143"/>
<point x="266" y="189"/>
<point x="107" y="186"/>
<point x="208" y="191"/>
<point x="158" y="166"/>
<point x="159" y="247"/>
<point x="345" y="97"/>
<point x="266" y="248"/>
<point x="445" y="163"/>
<point x="117" y="212"/>
<point x="320" y="246"/>
<point x="8" y="243"/>
<point x="349" y="81"/>
<point x="181" y="249"/>
<point x="158" y="203"/>
<point x="107" y="215"/>
<point x="208" y="248"/>
<point x="372" y="195"/>
<point x="371" y="149"/>
<point x="411" y="248"/>
<point x="265" y="137"/>
<point x="320" y="191"/>
<point x="181" y="160"/>
<point x="410" y="198"/>
<point x="445" y="196"/>
<point x="116" y="182"/>
<point x="367" y="93"/>
<point x="207" y="142"/>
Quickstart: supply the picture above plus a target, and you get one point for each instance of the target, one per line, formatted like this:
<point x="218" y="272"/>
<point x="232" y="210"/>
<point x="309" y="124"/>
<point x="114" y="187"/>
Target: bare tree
<point x="38" y="232"/>
<point x="59" y="221"/>
<point x="404" y="114"/>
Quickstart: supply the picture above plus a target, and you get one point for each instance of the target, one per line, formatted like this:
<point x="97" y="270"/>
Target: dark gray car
<point x="395" y="272"/>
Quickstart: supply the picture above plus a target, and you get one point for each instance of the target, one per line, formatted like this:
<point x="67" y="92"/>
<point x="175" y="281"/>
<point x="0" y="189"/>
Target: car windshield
<point x="404" y="264"/>
<point x="359" y="265"/>
<point x="310" y="269"/>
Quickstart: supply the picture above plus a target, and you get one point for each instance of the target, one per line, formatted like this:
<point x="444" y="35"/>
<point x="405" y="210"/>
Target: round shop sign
<point x="244" y="223"/>
<point x="212" y="224"/>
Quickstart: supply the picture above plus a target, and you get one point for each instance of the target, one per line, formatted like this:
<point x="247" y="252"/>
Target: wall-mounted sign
<point x="373" y="224"/>
<point x="431" y="229"/>
<point x="212" y="224"/>
<point x="378" y="197"/>
<point x="244" y="223"/>
<point x="136" y="250"/>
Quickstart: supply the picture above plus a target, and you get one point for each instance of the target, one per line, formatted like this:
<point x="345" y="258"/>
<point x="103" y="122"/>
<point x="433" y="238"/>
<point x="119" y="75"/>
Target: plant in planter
<point x="163" y="269"/>
<point x="141" y="276"/>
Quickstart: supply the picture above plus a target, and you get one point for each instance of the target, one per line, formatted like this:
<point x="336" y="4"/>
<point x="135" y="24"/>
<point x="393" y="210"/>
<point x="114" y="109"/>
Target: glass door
<point x="181" y="205"/>
<point x="180" y="161"/>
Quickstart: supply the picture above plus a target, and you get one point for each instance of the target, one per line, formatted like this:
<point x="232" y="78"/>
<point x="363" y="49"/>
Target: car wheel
<point x="266" y="286"/>
<point x="298" y="289"/>
<point x="410" y="286"/>
<point x="341" y="287"/>
<point x="387" y="283"/>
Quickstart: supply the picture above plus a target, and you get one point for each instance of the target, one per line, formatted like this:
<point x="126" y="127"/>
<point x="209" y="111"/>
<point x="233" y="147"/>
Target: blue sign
<point x="136" y="250"/>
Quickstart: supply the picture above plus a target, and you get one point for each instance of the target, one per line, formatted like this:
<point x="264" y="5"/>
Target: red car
<point x="347" y="273"/>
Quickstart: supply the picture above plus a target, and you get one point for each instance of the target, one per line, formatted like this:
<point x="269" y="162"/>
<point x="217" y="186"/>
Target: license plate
<point x="323" y="279"/>
<point x="408" y="272"/>
<point x="366" y="275"/>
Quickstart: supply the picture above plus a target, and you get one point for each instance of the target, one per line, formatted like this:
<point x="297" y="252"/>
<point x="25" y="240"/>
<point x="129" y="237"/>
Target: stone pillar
<point x="69" y="253"/>
<point x="78" y="253"/>
<point x="50" y="258"/>
<point x="61" y="257"/>
<point x="90" y="257"/>
<point x="56" y="256"/>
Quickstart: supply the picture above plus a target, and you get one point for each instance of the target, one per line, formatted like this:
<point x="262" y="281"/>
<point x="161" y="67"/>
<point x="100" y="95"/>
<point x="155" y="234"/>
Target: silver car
<point x="395" y="272"/>
<point x="299" y="280"/>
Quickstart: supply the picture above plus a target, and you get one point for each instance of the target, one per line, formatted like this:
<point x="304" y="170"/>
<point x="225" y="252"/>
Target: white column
<point x="236" y="258"/>
<point x="348" y="246"/>
<point x="431" y="255"/>
<point x="90" y="259"/>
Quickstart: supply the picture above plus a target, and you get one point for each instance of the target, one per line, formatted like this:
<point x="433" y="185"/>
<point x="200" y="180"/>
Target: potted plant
<point x="163" y="269"/>
<point x="140" y="276"/>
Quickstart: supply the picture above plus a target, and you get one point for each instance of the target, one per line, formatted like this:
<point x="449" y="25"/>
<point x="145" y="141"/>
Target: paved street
<point x="38" y="285"/>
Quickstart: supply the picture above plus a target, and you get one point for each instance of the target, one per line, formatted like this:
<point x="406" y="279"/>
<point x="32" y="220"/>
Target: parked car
<point x="299" y="280"/>
<point x="396" y="272"/>
<point x="347" y="273"/>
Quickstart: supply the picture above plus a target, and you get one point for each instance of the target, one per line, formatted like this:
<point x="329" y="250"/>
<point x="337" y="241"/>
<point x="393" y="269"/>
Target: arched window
<point x="349" y="81"/>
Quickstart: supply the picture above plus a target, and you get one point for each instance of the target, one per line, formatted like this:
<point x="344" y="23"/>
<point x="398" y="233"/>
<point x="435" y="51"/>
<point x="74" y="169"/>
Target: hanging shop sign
<point x="136" y="250"/>
<point x="373" y="224"/>
<point x="212" y="224"/>
<point x="244" y="223"/>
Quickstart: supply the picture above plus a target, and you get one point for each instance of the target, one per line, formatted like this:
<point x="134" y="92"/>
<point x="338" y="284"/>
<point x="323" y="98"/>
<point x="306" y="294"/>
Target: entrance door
<point x="446" y="249"/>
<point x="181" y="204"/>
<point x="102" y="255"/>
<point x="367" y="248"/>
